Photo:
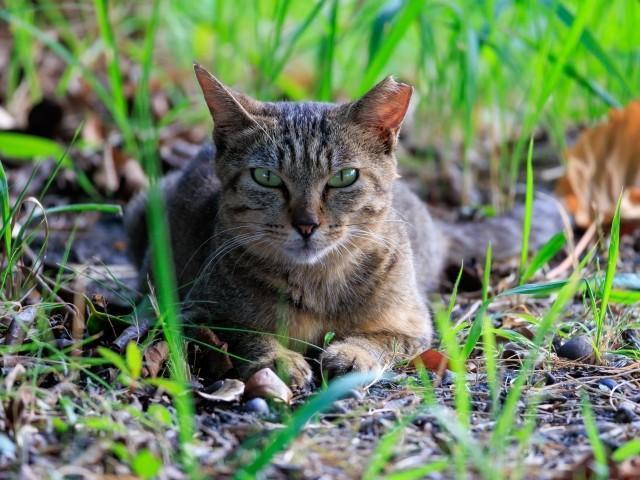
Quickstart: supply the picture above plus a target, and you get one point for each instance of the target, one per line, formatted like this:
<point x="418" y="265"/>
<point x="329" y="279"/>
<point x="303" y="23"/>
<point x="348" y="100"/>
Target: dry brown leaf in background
<point x="604" y="161"/>
<point x="155" y="357"/>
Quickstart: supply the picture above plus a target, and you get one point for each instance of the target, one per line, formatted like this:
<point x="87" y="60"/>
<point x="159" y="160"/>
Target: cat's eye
<point x="344" y="178"/>
<point x="266" y="178"/>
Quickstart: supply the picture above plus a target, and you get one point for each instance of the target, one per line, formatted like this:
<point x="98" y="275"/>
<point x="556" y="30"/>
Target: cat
<point x="294" y="223"/>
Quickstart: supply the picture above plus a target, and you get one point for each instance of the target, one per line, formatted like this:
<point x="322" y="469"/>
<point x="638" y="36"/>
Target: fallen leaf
<point x="211" y="356"/>
<point x="154" y="358"/>
<point x="266" y="384"/>
<point x="433" y="361"/>
<point x="604" y="161"/>
<point x="231" y="390"/>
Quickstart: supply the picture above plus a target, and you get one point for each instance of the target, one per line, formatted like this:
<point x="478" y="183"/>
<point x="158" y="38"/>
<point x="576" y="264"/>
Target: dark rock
<point x="627" y="412"/>
<point x="607" y="383"/>
<point x="549" y="378"/>
<point x="578" y="348"/>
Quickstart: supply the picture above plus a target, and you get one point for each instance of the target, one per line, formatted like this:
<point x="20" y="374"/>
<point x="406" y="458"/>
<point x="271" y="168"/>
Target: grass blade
<point x="528" y="212"/>
<point x="116" y="82"/>
<point x="601" y="467"/>
<point x="327" y="51"/>
<point x="614" y="247"/>
<point x="280" y="439"/>
<point x="396" y="32"/>
<point x="543" y="255"/>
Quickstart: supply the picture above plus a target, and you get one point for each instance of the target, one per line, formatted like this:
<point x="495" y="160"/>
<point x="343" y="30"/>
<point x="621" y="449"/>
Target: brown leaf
<point x="266" y="384"/>
<point x="154" y="358"/>
<point x="231" y="390"/>
<point x="20" y="325"/>
<point x="604" y="161"/>
<point x="213" y="360"/>
<point x="433" y="361"/>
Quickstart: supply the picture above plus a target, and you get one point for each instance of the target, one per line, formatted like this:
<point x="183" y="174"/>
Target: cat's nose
<point x="305" y="222"/>
<point x="305" y="229"/>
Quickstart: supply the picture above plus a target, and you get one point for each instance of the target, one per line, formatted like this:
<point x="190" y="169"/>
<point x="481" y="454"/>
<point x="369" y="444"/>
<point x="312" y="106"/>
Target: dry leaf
<point x="154" y="358"/>
<point x="213" y="361"/>
<point x="231" y="390"/>
<point x="433" y="361"/>
<point x="604" y="161"/>
<point x="266" y="384"/>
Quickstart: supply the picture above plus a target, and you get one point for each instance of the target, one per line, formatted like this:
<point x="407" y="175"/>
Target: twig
<point x="20" y="325"/>
<point x="575" y="254"/>
<point x="134" y="332"/>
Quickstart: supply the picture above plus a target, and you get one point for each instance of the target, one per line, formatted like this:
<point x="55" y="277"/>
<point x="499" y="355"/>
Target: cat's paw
<point x="344" y="357"/>
<point x="290" y="366"/>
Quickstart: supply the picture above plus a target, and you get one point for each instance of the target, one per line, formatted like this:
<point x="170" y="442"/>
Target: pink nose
<point x="306" y="230"/>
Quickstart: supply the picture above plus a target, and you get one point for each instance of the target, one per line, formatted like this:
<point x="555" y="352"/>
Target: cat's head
<point x="304" y="181"/>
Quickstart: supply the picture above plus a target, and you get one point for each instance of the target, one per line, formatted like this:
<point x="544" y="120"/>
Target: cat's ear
<point x="231" y="111"/>
<point x="382" y="109"/>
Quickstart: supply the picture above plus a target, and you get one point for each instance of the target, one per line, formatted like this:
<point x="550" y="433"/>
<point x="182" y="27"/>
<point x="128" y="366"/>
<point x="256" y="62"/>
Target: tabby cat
<point x="294" y="223"/>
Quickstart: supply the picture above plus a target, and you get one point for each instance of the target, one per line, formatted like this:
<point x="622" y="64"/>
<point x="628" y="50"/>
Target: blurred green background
<point x="483" y="70"/>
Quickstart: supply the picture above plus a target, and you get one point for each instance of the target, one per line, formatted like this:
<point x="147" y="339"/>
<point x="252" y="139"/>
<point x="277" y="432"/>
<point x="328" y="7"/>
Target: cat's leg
<point x="371" y="352"/>
<point x="264" y="351"/>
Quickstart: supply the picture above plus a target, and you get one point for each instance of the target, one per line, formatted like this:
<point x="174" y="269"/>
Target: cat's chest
<point x="311" y="294"/>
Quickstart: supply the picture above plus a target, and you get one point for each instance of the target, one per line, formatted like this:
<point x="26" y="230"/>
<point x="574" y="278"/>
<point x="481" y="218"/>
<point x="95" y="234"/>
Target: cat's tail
<point x="468" y="241"/>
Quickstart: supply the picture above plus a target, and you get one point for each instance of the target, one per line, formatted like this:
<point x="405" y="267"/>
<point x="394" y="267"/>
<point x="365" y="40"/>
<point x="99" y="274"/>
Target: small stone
<point x="257" y="405"/>
<point x="549" y="378"/>
<point x="607" y="384"/>
<point x="578" y="348"/>
<point x="627" y="411"/>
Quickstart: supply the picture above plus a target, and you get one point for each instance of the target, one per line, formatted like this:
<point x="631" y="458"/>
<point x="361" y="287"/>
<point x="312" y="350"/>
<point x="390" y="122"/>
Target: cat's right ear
<point x="231" y="111"/>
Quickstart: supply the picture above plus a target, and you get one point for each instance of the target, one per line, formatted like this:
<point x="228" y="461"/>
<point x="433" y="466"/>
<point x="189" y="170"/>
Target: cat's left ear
<point x="232" y="111"/>
<point x="382" y="109"/>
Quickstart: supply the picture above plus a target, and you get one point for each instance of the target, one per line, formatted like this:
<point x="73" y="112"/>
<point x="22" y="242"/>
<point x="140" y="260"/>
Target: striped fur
<point x="241" y="264"/>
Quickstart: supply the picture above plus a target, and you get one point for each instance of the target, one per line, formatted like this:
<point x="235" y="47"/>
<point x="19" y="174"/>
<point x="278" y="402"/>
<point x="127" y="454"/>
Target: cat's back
<point x="428" y="244"/>
<point x="191" y="201"/>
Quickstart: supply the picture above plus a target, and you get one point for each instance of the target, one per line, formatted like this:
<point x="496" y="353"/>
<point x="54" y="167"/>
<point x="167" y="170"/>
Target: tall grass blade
<point x="396" y="32"/>
<point x="549" y="250"/>
<point x="528" y="212"/>
<point x="612" y="260"/>
<point x="327" y="55"/>
<point x="116" y="81"/>
<point x="601" y="467"/>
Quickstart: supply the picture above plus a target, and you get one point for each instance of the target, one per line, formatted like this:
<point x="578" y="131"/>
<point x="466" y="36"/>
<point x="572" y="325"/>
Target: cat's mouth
<point x="306" y="252"/>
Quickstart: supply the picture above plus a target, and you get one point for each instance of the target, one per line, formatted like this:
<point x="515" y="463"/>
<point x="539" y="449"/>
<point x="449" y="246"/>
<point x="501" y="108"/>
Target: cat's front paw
<point x="290" y="367"/>
<point x="345" y="357"/>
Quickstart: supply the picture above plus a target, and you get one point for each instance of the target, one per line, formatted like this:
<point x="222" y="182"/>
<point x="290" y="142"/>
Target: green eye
<point x="266" y="178"/>
<point x="344" y="178"/>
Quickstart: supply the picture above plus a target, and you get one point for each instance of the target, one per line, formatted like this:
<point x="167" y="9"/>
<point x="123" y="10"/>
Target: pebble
<point x="257" y="405"/>
<point x="627" y="411"/>
<point x="549" y="378"/>
<point x="607" y="384"/>
<point x="578" y="348"/>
